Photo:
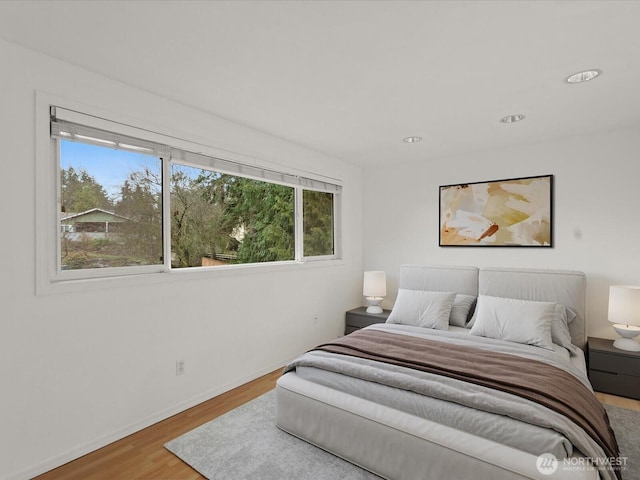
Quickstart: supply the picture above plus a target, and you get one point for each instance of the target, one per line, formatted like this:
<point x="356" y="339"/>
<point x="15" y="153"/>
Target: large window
<point x="131" y="205"/>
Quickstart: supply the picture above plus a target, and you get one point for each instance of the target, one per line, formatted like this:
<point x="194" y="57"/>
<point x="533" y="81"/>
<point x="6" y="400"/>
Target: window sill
<point x="61" y="285"/>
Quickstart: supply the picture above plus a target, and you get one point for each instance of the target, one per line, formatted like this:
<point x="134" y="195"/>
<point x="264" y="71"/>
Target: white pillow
<point x="569" y="316"/>
<point x="460" y="310"/>
<point x="422" y="309"/>
<point x="519" y="321"/>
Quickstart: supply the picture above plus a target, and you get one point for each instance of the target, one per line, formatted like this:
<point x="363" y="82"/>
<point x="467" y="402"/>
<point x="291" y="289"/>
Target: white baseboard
<point x="80" y="450"/>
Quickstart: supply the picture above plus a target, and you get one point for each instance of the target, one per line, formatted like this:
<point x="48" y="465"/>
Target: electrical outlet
<point x="179" y="367"/>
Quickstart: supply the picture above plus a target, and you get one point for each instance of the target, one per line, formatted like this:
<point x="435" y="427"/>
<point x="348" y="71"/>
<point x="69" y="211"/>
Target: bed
<point x="416" y="399"/>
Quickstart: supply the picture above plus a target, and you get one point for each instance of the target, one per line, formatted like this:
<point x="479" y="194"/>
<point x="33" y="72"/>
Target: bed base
<point x="396" y="445"/>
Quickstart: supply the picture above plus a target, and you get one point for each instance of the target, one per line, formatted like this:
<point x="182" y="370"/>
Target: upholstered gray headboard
<point x="439" y="278"/>
<point x="561" y="286"/>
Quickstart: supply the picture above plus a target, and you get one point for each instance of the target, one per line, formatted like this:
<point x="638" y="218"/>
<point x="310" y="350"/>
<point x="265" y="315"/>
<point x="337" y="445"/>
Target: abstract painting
<point x="515" y="212"/>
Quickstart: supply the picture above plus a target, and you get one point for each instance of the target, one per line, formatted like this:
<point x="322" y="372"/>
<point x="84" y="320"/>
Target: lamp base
<point x="627" y="344"/>
<point x="627" y="332"/>
<point x="374" y="304"/>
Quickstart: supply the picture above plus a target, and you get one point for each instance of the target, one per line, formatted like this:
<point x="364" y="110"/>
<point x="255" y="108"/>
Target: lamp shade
<point x="624" y="304"/>
<point x="375" y="284"/>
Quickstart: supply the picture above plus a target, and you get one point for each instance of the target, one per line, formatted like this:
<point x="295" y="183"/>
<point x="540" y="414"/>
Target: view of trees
<point x="140" y="202"/>
<point x="257" y="216"/>
<point x="318" y="223"/>
<point x="81" y="192"/>
<point x="215" y="219"/>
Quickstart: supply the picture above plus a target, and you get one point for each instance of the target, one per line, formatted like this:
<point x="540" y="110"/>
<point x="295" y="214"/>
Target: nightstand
<point x="612" y="370"/>
<point x="359" y="318"/>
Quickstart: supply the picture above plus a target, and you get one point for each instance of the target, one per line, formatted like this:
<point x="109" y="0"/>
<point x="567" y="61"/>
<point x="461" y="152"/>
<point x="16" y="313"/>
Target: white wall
<point x="596" y="219"/>
<point x="78" y="370"/>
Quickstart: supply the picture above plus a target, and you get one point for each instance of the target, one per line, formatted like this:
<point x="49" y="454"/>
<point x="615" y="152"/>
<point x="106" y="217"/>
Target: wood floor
<point x="623" y="402"/>
<point x="142" y="455"/>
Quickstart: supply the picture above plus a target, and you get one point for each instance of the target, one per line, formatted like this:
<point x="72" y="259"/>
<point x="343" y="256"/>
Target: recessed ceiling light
<point x="411" y="139"/>
<point x="512" y="118"/>
<point x="584" y="76"/>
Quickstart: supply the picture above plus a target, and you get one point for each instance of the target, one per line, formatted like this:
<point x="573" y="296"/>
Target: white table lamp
<point x="624" y="313"/>
<point x="374" y="288"/>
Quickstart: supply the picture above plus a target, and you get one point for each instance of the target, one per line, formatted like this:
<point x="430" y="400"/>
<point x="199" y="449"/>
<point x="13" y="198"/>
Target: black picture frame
<point x="512" y="212"/>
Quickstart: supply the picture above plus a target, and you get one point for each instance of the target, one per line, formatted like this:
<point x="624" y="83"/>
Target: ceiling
<point x="352" y="78"/>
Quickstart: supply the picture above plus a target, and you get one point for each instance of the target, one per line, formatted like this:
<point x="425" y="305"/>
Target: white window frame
<point x="49" y="276"/>
<point x="67" y="275"/>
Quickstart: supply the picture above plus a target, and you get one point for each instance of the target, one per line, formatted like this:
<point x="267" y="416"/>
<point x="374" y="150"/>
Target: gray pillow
<point x="422" y="309"/>
<point x="560" y="327"/>
<point x="461" y="309"/>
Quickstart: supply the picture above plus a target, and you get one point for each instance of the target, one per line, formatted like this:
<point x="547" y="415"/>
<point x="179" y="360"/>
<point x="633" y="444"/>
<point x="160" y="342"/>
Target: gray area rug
<point x="626" y="425"/>
<point x="246" y="444"/>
